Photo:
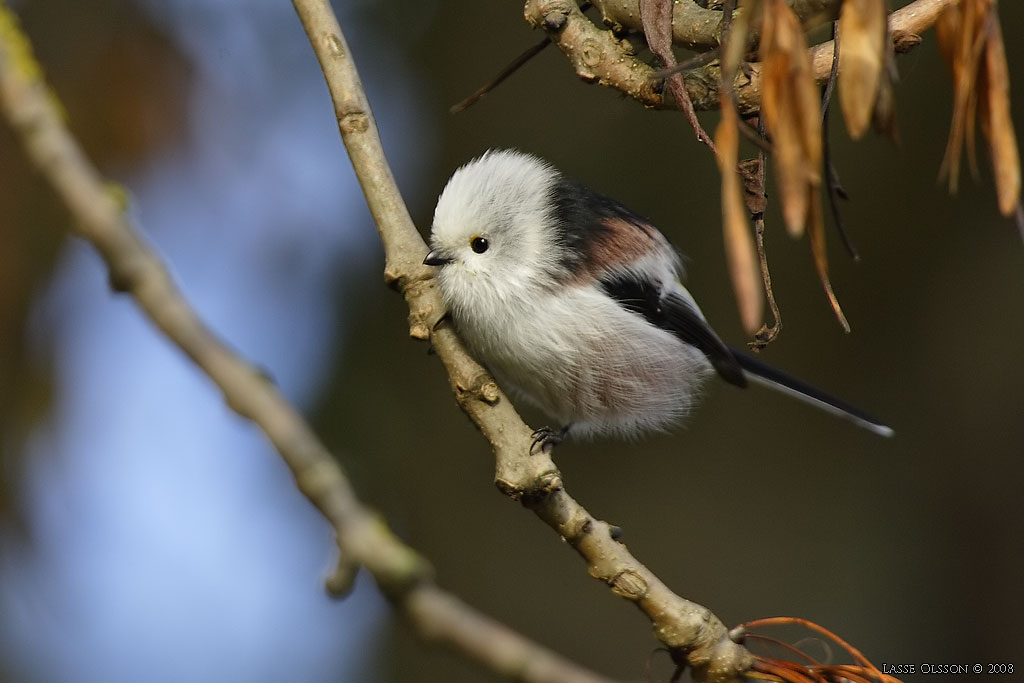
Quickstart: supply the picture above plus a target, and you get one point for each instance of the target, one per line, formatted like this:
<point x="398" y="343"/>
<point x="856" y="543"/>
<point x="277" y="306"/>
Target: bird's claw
<point x="547" y="438"/>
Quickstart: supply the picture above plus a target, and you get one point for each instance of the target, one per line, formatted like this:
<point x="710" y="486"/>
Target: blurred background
<point x="147" y="533"/>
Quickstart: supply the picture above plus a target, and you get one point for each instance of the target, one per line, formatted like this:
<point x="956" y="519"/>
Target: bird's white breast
<point x="577" y="354"/>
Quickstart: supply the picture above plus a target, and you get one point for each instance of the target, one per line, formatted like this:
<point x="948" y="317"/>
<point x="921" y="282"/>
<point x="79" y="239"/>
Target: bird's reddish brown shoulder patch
<point x="618" y="242"/>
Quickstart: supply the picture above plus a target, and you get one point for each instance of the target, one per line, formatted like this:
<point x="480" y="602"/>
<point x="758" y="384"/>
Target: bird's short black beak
<point x="436" y="258"/>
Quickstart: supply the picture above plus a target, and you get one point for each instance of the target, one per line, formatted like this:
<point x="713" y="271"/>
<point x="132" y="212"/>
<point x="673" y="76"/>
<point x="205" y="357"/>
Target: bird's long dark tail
<point x="773" y="378"/>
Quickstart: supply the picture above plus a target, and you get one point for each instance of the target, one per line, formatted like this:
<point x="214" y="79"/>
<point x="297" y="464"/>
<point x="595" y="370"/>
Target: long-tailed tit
<point x="575" y="303"/>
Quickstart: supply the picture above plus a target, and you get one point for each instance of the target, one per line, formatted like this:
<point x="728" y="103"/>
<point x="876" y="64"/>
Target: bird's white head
<point x="491" y="231"/>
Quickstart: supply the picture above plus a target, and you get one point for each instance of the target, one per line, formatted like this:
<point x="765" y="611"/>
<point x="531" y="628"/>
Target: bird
<point x="576" y="304"/>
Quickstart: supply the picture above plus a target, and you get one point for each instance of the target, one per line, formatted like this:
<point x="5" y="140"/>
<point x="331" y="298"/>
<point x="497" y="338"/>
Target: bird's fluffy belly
<point x="589" y="363"/>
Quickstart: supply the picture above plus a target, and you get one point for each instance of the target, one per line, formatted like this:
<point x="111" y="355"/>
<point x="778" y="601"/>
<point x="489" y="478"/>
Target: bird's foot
<point x="547" y="438"/>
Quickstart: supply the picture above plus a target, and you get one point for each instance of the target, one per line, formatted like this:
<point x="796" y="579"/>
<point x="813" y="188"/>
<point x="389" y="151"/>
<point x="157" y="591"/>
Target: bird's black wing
<point x="598" y="235"/>
<point x="673" y="312"/>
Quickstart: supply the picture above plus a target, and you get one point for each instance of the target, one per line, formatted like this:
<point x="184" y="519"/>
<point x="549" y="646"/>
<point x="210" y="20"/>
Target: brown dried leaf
<point x="809" y="670"/>
<point x="656" y="17"/>
<point x="816" y="233"/>
<point x="947" y="31"/>
<point x="791" y="111"/>
<point x="971" y="40"/>
<point x="751" y="171"/>
<point x="961" y="30"/>
<point x="996" y="123"/>
<point x="949" y="37"/>
<point x="861" y="62"/>
<point x="739" y="244"/>
<point x="884" y="117"/>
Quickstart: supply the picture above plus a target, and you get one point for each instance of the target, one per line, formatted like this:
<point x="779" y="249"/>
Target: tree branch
<point x="689" y="630"/>
<point x="363" y="538"/>
<point x="697" y="28"/>
<point x="598" y="56"/>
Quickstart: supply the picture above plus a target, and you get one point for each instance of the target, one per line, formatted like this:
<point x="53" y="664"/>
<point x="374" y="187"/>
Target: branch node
<point x="489" y="392"/>
<point x="392" y="277"/>
<point x="555" y="20"/>
<point x="419" y="331"/>
<point x="424" y="316"/>
<point x="542" y="488"/>
<point x="353" y="122"/>
<point x="318" y="479"/>
<point x="508" y="489"/>
<point x="629" y="584"/>
<point x="904" y="41"/>
<point x="128" y="274"/>
<point x="334" y="45"/>
<point x="536" y="492"/>
<point x="343" y="579"/>
<point x="395" y="585"/>
<point x="481" y="387"/>
<point x="720" y="660"/>
<point x="550" y="482"/>
<point x="591" y="54"/>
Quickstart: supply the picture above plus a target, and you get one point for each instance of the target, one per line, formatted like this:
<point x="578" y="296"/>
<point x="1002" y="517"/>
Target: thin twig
<point x="751" y="134"/>
<point x="833" y="73"/>
<point x="699" y="60"/>
<point x="517" y="63"/>
<point x="832" y="184"/>
<point x="836" y="193"/>
<point x="766" y="335"/>
<point x="134" y="268"/>
<point x="514" y="66"/>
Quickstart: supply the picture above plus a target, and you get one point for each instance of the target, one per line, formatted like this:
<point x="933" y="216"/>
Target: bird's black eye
<point x="479" y="244"/>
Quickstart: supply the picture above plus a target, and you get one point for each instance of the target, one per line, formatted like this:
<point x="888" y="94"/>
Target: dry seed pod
<point x="996" y="124"/>
<point x="816" y="235"/>
<point x="739" y="244"/>
<point x="792" y="112"/>
<point x="972" y="42"/>
<point x="862" y="31"/>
